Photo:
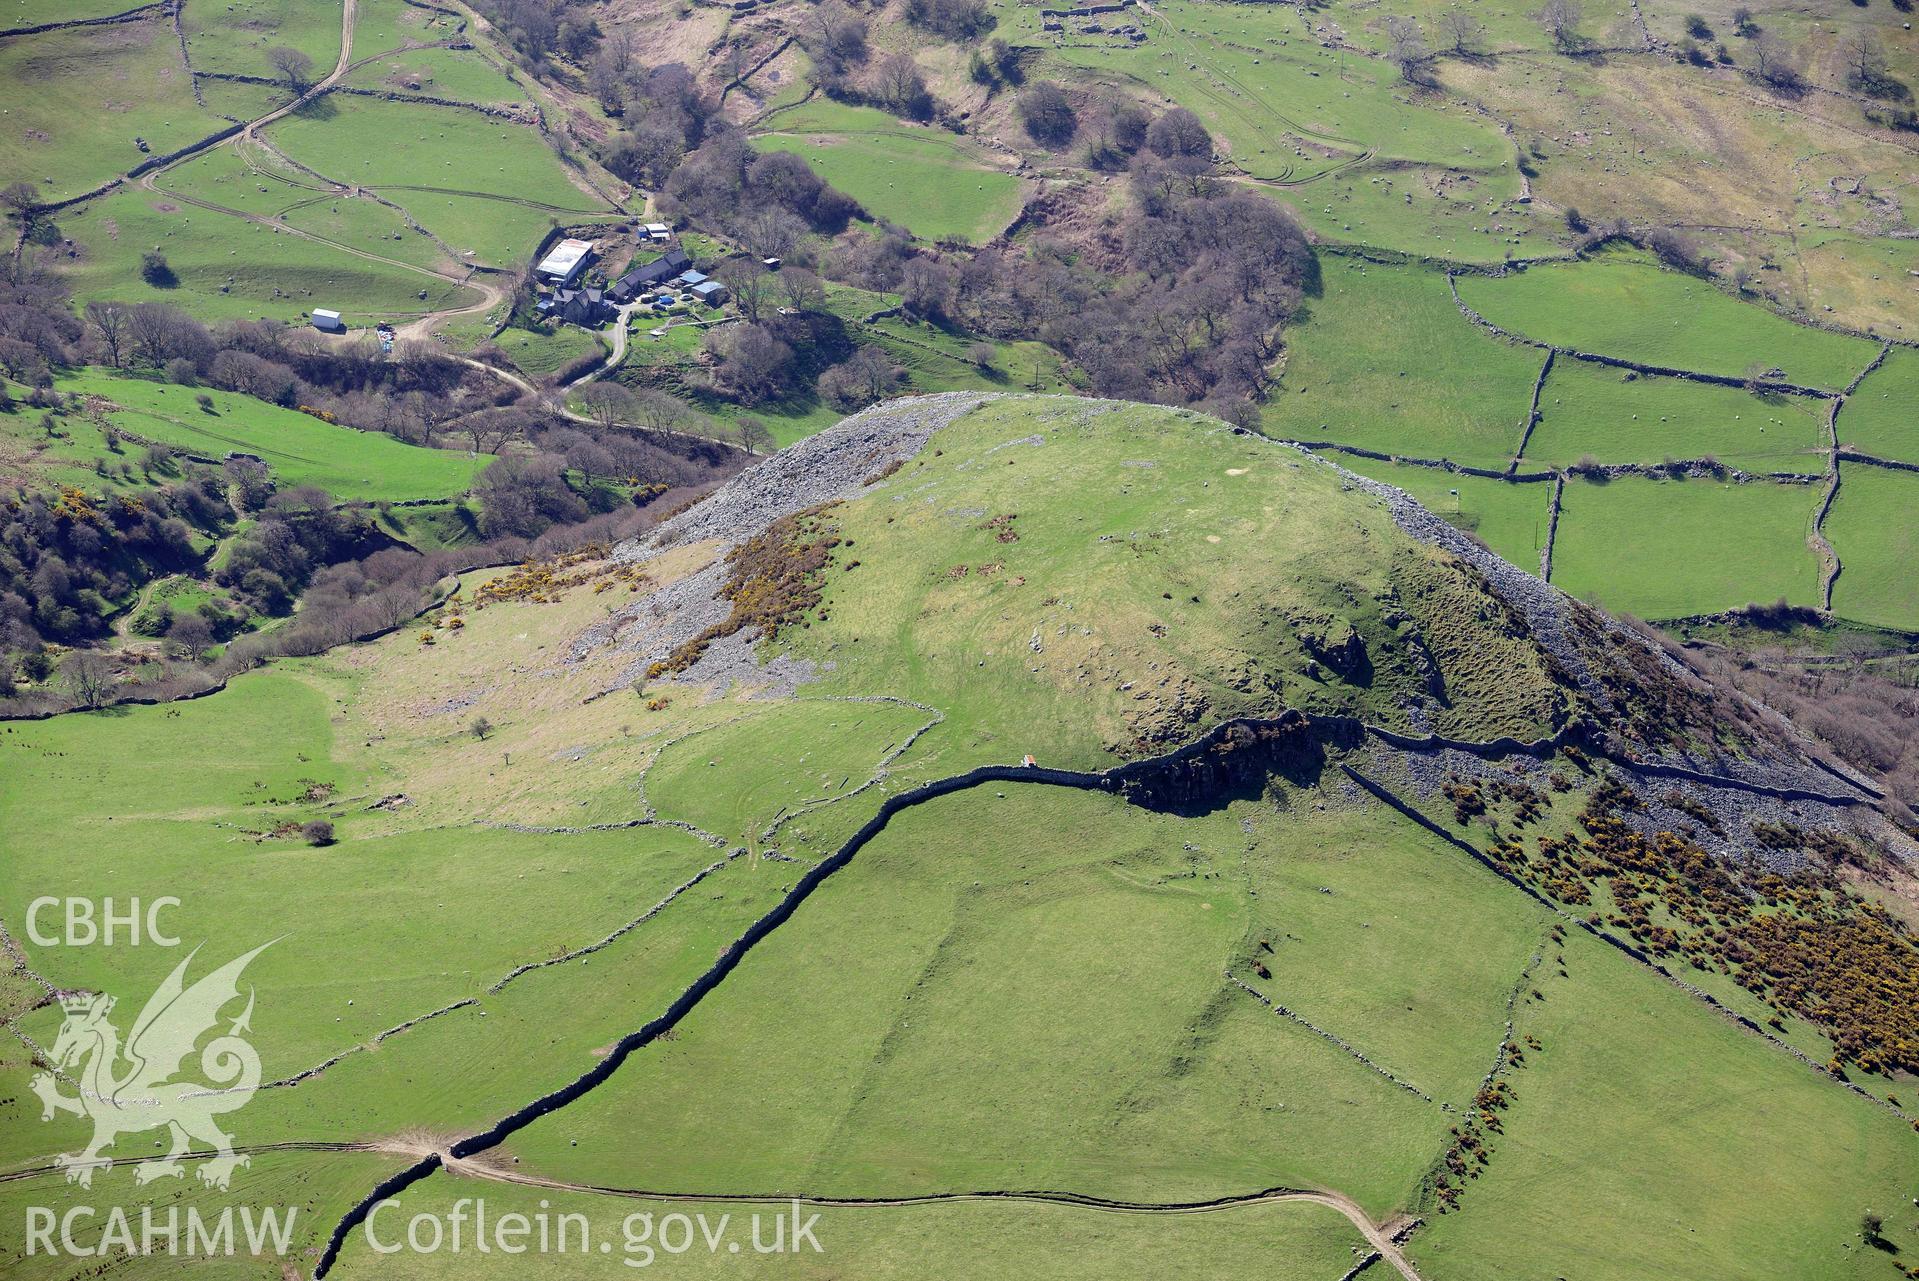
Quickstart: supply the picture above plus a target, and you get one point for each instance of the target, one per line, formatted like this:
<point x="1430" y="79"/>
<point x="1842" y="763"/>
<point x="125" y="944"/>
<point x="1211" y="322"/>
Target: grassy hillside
<point x="1384" y="361"/>
<point x="920" y="178"/>
<point x="1643" y="1130"/>
<point x="96" y="90"/>
<point x="1265" y="981"/>
<point x="1622" y="305"/>
<point x="1669" y="548"/>
<point x="298" y="448"/>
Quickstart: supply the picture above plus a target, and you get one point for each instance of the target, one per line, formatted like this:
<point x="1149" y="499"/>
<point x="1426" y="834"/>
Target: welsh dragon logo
<point x="131" y="1088"/>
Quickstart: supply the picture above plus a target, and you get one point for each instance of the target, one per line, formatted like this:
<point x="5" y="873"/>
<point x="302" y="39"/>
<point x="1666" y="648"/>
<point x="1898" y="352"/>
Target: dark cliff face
<point x="1235" y="761"/>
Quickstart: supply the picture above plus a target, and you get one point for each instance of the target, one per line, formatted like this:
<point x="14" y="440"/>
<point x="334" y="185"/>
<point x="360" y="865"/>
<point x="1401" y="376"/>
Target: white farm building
<point x="564" y="262"/>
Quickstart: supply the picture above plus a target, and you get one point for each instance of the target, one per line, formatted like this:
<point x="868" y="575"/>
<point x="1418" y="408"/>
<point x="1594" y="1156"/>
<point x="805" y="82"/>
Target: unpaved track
<point x="1376" y="1234"/>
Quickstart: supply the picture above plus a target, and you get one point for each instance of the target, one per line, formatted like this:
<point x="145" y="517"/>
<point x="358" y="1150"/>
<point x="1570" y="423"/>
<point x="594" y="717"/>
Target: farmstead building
<point x="565" y="262"/>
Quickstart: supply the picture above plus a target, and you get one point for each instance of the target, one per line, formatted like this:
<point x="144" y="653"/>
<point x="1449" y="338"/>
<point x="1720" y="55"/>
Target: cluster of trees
<point x="543" y="29"/>
<point x="835" y="37"/>
<point x="1211" y="275"/>
<point x="767" y="202"/>
<point x="953" y="19"/>
<point x="65" y="556"/>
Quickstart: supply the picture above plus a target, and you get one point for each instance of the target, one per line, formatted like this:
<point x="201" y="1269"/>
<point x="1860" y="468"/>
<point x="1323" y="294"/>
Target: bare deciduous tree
<point x="1465" y="35"/>
<point x="1408" y="50"/>
<point x="1867" y="67"/>
<point x="1776" y="64"/>
<point x="607" y="404"/>
<point x="748" y="282"/>
<point x="897" y="82"/>
<point x="803" y="289"/>
<point x="294" y="67"/>
<point x="87" y="676"/>
<point x="20" y="198"/>
<point x="1560" y="20"/>
<point x="108" y="320"/>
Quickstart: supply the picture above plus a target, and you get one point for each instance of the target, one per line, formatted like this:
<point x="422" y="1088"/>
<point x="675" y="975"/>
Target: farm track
<point x="1376" y="1234"/>
<point x="147" y="175"/>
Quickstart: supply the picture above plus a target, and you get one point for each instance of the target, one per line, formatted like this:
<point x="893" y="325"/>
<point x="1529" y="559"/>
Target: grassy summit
<point x="1085" y="581"/>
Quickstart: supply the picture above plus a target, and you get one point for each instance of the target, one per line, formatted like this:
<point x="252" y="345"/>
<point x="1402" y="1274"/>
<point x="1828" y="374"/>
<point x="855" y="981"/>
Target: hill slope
<point x="1352" y="877"/>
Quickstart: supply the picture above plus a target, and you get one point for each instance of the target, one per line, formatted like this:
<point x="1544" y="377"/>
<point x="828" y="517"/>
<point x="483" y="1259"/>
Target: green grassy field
<point x="95" y="90"/>
<point x="943" y="1045"/>
<point x="1882" y="417"/>
<point x="540" y="355"/>
<point x="460" y="74"/>
<point x="227" y="268"/>
<point x="1671" y="548"/>
<point x="929" y="182"/>
<point x="255" y="181"/>
<point x="299" y="448"/>
<point x="725" y="781"/>
<point x="1872" y="530"/>
<point x="1646" y="1130"/>
<point x="236" y="37"/>
<point x="1287" y="108"/>
<point x="1461" y="215"/>
<point x="1590" y="410"/>
<point x="238" y="100"/>
<point x="1510" y="518"/>
<point x="32" y="13"/>
<point x="481" y="229"/>
<point x="204" y="823"/>
<point x="964" y="1241"/>
<point x="426" y="148"/>
<point x="371" y="227"/>
<point x="1620" y="304"/>
<point x="383" y="25"/>
<point x="1384" y="361"/>
<point x="202" y="819"/>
